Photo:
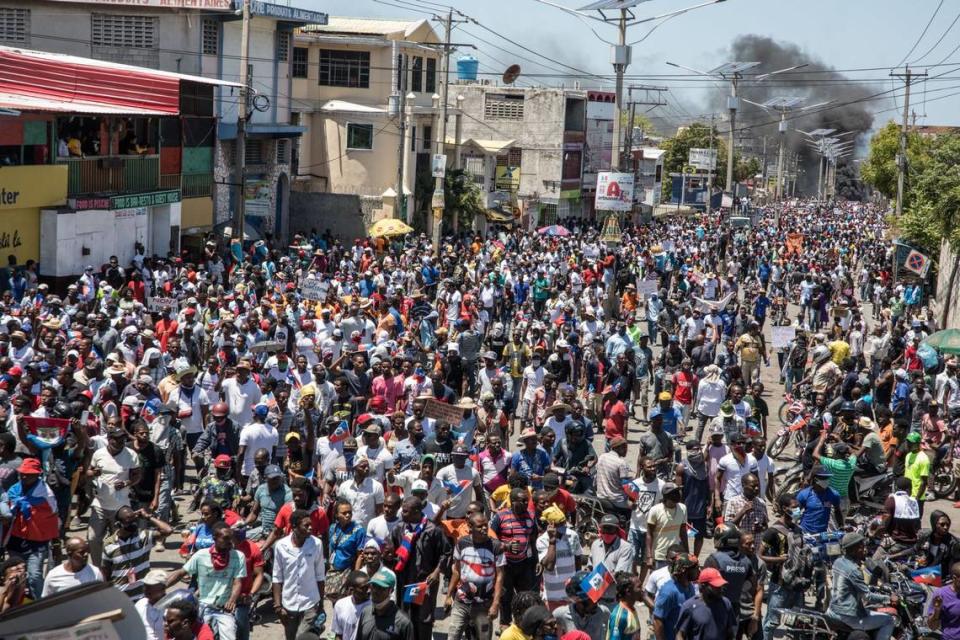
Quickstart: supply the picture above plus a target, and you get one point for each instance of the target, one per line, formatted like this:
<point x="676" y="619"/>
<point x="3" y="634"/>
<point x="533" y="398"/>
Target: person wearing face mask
<point x="732" y="468"/>
<point x="780" y="543"/>
<point x="851" y="594"/>
<point x="692" y="476"/>
<point x="560" y="555"/>
<point x="613" y="551"/>
<point x="816" y="502"/>
<point x="383" y="619"/>
<point x="582" y="613"/>
<point x="670" y="597"/>
<point x="708" y="615"/>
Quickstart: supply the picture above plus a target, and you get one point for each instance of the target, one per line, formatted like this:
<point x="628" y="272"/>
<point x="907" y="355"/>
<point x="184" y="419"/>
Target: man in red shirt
<point x="684" y="388"/>
<point x="250" y="585"/>
<point x="614" y="414"/>
<point x="559" y="496"/>
<point x="304" y="497"/>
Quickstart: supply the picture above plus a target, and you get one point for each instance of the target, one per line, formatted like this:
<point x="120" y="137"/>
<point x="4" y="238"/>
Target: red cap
<point x="364" y="418"/>
<point x="30" y="466"/>
<point x="15" y="371"/>
<point x="264" y="325"/>
<point x="378" y="402"/>
<point x="189" y="312"/>
<point x="291" y="286"/>
<point x="711" y="577"/>
<point x="86" y="393"/>
<point x="222" y="461"/>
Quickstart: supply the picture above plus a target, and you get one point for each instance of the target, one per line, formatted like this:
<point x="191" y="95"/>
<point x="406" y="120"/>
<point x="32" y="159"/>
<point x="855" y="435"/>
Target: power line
<point x="937" y="44"/>
<point x="922" y="34"/>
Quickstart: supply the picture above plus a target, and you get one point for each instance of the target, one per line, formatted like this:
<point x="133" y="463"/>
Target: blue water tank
<point x="467" y="69"/>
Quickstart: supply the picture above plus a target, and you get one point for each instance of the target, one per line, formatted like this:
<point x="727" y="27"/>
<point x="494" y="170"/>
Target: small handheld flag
<point x="456" y="488"/>
<point x="928" y="575"/>
<point x="340" y="433"/>
<point x="630" y="488"/>
<point x="415" y="593"/>
<point x="597" y="582"/>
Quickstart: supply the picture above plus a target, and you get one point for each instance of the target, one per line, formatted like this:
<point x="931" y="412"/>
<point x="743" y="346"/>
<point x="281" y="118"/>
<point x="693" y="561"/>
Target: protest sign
<point x="780" y="337"/>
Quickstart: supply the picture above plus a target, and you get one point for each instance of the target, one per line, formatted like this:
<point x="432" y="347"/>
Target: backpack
<point x="796" y="574"/>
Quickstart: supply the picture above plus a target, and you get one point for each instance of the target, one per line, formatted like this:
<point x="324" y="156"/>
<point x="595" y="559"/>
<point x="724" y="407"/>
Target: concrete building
<point x="354" y="80"/>
<point x="199" y="37"/>
<point x="534" y="140"/>
<point x="91" y="158"/>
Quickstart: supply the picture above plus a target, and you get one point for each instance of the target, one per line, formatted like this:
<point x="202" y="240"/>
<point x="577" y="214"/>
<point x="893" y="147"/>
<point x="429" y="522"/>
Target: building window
<point x="344" y="69"/>
<point x="572" y="162"/>
<point x="416" y="74"/>
<point x="413" y="139"/>
<point x="300" y="58"/>
<point x="431" y="85"/>
<point x="498" y="106"/>
<point x="283" y="151"/>
<point x="514" y="157"/>
<point x="400" y="71"/>
<point x="359" y="136"/>
<point x="283" y="46"/>
<point x="14" y="25"/>
<point x="475" y="167"/>
<point x="427" y="138"/>
<point x="127" y="32"/>
<point x="254" y="152"/>
<point x="211" y="37"/>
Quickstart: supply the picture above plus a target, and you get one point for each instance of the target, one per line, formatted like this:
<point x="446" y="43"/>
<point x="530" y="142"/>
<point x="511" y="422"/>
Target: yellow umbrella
<point x="389" y="227"/>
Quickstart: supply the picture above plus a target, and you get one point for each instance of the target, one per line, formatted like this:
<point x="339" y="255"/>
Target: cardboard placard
<point x="448" y="413"/>
<point x="268" y="347"/>
<point x="780" y="337"/>
<point x="156" y="303"/>
<point x="314" y="289"/>
<point x="647" y="287"/>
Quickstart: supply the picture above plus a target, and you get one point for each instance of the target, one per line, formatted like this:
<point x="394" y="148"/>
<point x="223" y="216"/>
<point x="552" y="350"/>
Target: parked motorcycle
<point x="795" y="432"/>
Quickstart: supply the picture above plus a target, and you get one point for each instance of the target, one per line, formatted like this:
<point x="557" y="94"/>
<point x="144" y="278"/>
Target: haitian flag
<point x="927" y="575"/>
<point x="597" y="582"/>
<point x="456" y="488"/>
<point x="415" y="593"/>
<point x="341" y="433"/>
<point x="630" y="488"/>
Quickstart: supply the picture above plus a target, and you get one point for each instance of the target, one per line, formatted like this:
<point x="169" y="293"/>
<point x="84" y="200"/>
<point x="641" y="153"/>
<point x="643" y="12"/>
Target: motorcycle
<point x="792" y="407"/>
<point x="943" y="482"/>
<point x="791" y="482"/>
<point x="871" y="489"/>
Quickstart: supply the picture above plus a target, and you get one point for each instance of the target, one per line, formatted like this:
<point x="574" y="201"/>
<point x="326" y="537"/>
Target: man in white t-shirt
<point x="363" y="493"/>
<point x="258" y="434"/>
<point x="73" y="571"/>
<point x="154" y="588"/>
<point x="347" y="610"/>
<point x="373" y="448"/>
<point x="380" y="528"/>
<point x="113" y="469"/>
<point x="241" y="394"/>
<point x="457" y="480"/>
<point x="732" y="467"/>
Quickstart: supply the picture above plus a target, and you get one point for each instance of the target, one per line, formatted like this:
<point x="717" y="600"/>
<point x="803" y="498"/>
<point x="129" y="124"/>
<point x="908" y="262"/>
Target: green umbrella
<point x="946" y="341"/>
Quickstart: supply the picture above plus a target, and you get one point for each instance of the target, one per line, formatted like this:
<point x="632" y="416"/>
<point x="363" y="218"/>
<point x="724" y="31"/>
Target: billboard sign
<point x="614" y="191"/>
<point x="703" y="159"/>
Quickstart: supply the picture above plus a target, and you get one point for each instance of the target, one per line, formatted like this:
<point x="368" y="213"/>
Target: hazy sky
<point x="844" y="34"/>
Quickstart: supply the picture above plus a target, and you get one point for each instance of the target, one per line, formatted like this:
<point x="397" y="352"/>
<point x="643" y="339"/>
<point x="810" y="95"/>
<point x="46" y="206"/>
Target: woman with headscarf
<point x="937" y="546"/>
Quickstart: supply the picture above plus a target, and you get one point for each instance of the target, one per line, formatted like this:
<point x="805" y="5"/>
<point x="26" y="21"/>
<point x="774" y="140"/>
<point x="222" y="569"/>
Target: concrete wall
<point x="948" y="291"/>
<point x="270" y="172"/>
<point x="271" y="77"/>
<point x="64" y="237"/>
<point x="347" y="216"/>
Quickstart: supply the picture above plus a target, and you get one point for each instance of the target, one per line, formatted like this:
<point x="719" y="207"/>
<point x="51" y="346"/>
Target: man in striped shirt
<point x="126" y="553"/>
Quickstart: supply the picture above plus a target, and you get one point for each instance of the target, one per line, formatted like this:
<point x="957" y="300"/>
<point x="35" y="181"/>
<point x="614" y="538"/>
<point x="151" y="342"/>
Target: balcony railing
<point x="196" y="185"/>
<point x="112" y="174"/>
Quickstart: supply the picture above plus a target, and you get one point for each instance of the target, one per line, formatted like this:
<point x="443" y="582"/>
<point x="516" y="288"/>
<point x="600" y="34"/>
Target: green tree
<point x="932" y="209"/>
<point x="880" y="167"/>
<point x="746" y="168"/>
<point x="462" y="198"/>
<point x="695" y="136"/>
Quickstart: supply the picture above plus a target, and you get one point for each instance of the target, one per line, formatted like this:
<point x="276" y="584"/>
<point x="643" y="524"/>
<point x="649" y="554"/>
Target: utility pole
<point x="732" y="103"/>
<point x="438" y="203"/>
<point x="908" y="77"/>
<point x="621" y="59"/>
<point x="648" y="102"/>
<point x="402" y="126"/>
<point x="763" y="171"/>
<point x="710" y="172"/>
<point x="783" y="144"/>
<point x="239" y="208"/>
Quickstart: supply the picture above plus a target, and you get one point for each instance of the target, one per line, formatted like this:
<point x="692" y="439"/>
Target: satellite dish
<point x="511" y="74"/>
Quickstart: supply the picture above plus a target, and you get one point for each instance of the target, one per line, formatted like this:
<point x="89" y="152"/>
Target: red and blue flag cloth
<point x="456" y="488"/>
<point x="597" y="582"/>
<point x="630" y="488"/>
<point x="341" y="433"/>
<point x="415" y="593"/>
<point x="928" y="575"/>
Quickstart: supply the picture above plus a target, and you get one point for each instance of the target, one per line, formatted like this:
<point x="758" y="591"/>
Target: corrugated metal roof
<point x="366" y="26"/>
<point x="22" y="102"/>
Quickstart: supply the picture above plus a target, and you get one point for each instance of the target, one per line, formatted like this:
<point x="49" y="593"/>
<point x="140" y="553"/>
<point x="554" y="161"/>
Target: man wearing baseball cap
<point x="917" y="468"/>
<point x="35" y="521"/>
<point x="851" y="594"/>
<point x="708" y="615"/>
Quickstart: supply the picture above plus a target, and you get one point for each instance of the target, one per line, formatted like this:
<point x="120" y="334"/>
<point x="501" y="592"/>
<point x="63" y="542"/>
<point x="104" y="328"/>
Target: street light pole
<point x="783" y="143"/>
<point x="732" y="104"/>
<point x="239" y="208"/>
<point x="621" y="59"/>
<point x="438" y="203"/>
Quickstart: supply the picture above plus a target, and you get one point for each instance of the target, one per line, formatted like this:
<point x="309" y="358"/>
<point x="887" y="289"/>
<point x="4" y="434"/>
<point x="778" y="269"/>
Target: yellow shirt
<point x="839" y="351"/>
<point x="513" y="633"/>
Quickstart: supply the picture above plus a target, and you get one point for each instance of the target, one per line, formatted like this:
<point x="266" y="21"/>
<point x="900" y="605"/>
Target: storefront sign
<point x="702" y="159"/>
<point x="125" y="214"/>
<point x="84" y="204"/>
<point x="283" y="12"/>
<point x="507" y="178"/>
<point x="201" y="5"/>
<point x="145" y="199"/>
<point x="614" y="191"/>
<point x="256" y="195"/>
<point x="28" y="187"/>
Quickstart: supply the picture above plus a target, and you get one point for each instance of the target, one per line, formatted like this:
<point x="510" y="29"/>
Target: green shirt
<point x="214" y="585"/>
<point x="842" y="472"/>
<point x="916" y="467"/>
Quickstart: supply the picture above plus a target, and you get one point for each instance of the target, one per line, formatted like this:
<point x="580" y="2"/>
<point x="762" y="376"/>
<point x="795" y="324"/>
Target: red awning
<point x="42" y="81"/>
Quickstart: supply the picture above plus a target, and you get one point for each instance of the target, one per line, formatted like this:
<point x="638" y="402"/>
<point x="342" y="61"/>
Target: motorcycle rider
<point x="787" y="585"/>
<point x="851" y="593"/>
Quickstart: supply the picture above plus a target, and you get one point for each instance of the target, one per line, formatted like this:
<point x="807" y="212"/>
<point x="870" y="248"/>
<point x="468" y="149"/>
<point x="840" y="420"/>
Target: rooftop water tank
<point x="467" y="69"/>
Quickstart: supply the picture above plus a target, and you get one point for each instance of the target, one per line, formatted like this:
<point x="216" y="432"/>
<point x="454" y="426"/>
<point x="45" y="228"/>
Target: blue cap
<point x="261" y="410"/>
